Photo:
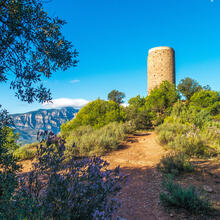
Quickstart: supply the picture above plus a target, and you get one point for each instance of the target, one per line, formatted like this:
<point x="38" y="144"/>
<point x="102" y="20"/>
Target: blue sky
<point x="113" y="38"/>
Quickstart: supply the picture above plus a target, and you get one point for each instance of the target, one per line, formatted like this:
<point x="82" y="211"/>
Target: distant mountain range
<point x="28" y="124"/>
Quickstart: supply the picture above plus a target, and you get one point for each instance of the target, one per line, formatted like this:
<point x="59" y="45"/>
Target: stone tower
<point x="160" y="66"/>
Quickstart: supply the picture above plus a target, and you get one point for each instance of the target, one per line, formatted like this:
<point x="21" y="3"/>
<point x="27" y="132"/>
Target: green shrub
<point x="162" y="98"/>
<point x="168" y="131"/>
<point x="175" y="163"/>
<point x="88" y="141"/>
<point x="194" y="143"/>
<point x="137" y="113"/>
<point x="95" y="114"/>
<point x="26" y="152"/>
<point x="178" y="197"/>
<point x="216" y="117"/>
<point x="188" y="115"/>
<point x="206" y="99"/>
<point x="191" y="131"/>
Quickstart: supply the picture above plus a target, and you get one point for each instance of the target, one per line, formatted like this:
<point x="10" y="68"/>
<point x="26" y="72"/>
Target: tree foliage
<point x="162" y="98"/>
<point x="31" y="46"/>
<point x="116" y="96"/>
<point x="96" y="114"/>
<point x="188" y="87"/>
<point x="8" y="166"/>
<point x="206" y="99"/>
<point x="138" y="114"/>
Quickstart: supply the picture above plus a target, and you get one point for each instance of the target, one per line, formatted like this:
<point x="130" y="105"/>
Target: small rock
<point x="207" y="188"/>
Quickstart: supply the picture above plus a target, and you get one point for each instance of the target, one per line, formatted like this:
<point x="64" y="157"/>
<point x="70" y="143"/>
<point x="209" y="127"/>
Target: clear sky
<point x="113" y="38"/>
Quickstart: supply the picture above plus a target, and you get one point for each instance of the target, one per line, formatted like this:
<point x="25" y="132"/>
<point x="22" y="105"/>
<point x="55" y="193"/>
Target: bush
<point x="28" y="151"/>
<point x="81" y="189"/>
<point x="137" y="113"/>
<point x="175" y="163"/>
<point x="167" y="132"/>
<point x="188" y="115"/>
<point x="190" y="140"/>
<point x="191" y="131"/>
<point x="206" y="99"/>
<point x="193" y="144"/>
<point x="188" y="199"/>
<point x="96" y="114"/>
<point x="162" y="98"/>
<point x="88" y="141"/>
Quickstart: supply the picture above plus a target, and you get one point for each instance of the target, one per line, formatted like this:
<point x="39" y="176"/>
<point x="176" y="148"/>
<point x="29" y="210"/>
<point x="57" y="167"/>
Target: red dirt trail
<point x="138" y="159"/>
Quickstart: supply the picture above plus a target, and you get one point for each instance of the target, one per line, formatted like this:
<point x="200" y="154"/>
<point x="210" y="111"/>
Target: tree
<point x="162" y="98"/>
<point x="8" y="179"/>
<point x="116" y="96"/>
<point x="188" y="87"/>
<point x="137" y="113"/>
<point x="137" y="102"/>
<point x="206" y="99"/>
<point x="31" y="46"/>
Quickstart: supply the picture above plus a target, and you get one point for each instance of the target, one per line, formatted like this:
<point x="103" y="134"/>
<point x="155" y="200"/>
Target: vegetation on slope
<point x="192" y="129"/>
<point x="88" y="141"/>
<point x="96" y="114"/>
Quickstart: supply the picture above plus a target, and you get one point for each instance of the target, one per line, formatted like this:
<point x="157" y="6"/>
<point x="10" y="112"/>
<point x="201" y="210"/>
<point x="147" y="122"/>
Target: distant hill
<point x="28" y="124"/>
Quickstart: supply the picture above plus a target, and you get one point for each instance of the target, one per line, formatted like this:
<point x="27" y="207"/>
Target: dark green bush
<point x="137" y="113"/>
<point x="95" y="114"/>
<point x="162" y="98"/>
<point x="176" y="196"/>
<point x="206" y="99"/>
<point x="175" y="163"/>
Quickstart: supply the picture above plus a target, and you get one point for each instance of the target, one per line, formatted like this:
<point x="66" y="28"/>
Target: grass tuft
<point x="189" y="199"/>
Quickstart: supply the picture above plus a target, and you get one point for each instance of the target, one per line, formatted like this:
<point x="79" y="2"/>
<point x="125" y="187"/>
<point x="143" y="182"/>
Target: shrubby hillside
<point x="187" y="129"/>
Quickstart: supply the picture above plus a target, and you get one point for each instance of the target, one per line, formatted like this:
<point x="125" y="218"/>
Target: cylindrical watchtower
<point x="160" y="66"/>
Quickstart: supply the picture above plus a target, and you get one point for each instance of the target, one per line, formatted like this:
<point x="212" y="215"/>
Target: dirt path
<point x="138" y="159"/>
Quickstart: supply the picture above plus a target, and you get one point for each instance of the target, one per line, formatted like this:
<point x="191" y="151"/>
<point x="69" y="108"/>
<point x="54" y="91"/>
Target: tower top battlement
<point x="160" y="48"/>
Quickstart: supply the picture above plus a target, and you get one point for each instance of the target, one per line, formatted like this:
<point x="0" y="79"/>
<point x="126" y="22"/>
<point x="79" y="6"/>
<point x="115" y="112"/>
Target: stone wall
<point x="160" y="66"/>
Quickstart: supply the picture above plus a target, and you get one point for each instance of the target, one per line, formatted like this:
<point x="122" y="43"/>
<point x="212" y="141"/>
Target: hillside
<point x="28" y="124"/>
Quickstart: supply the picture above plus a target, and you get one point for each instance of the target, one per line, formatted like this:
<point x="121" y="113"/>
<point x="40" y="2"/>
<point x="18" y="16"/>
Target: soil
<point x="138" y="157"/>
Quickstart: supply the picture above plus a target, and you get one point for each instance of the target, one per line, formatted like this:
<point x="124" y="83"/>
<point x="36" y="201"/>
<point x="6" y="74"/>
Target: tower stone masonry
<point x="160" y="66"/>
